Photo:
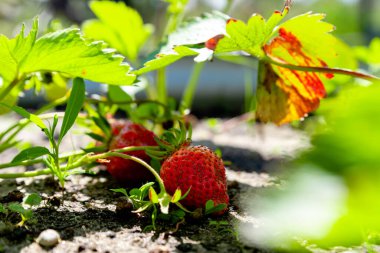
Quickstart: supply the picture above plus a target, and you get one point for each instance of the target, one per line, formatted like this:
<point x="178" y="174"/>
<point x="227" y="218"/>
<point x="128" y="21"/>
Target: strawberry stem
<point x="143" y="163"/>
<point x="347" y="72"/>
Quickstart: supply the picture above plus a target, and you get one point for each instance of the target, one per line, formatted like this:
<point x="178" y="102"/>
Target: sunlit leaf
<point x="33" y="199"/>
<point x="251" y="36"/>
<point x="119" y="25"/>
<point x="120" y="190"/>
<point x="24" y="113"/>
<point x="188" y="40"/>
<point x="153" y="195"/>
<point x="371" y="54"/>
<point x="74" y="105"/>
<point x="16" y="207"/>
<point x="196" y="31"/>
<point x="165" y="59"/>
<point x="176" y="196"/>
<point x="176" y="6"/>
<point x="30" y="153"/>
<point x="64" y="51"/>
<point x="68" y="52"/>
<point x="284" y="94"/>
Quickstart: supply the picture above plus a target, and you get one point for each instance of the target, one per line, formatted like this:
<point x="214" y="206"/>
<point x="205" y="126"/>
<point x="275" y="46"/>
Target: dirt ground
<point x="91" y="218"/>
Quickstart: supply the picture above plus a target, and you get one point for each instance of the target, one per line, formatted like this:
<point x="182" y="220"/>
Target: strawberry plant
<point x="299" y="63"/>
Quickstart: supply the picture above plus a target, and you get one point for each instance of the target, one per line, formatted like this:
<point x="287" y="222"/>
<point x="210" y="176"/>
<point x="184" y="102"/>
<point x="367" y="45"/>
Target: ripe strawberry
<point x="199" y="168"/>
<point x="127" y="134"/>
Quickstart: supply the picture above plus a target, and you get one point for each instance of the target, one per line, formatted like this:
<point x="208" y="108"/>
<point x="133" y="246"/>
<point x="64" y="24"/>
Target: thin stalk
<point x="188" y="95"/>
<point x="138" y="102"/>
<point x="65" y="156"/>
<point x="161" y="86"/>
<point x="228" y="6"/>
<point x="40" y="160"/>
<point x="9" y="88"/>
<point x="88" y="159"/>
<point x="347" y="72"/>
<point x="248" y="90"/>
<point x="143" y="163"/>
<point x="24" y="122"/>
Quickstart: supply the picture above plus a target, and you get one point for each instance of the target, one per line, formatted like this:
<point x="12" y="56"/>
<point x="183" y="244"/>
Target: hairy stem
<point x="86" y="159"/>
<point x="161" y="86"/>
<point x="10" y="87"/>
<point x="347" y="72"/>
<point x="188" y="95"/>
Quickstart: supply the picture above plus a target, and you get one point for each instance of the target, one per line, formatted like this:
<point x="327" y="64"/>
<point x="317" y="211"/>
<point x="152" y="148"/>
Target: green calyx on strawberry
<point x="196" y="169"/>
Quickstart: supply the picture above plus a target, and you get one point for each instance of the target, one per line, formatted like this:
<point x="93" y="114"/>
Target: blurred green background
<point x="356" y="20"/>
<point x="221" y="84"/>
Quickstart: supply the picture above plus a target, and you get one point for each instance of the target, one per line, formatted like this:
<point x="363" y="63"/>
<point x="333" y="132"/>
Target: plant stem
<point x="161" y="86"/>
<point x="140" y="161"/>
<point x="188" y="95"/>
<point x="40" y="160"/>
<point x="24" y="122"/>
<point x="228" y="6"/>
<point x="347" y="72"/>
<point x="248" y="90"/>
<point x="87" y="159"/>
<point x="12" y="85"/>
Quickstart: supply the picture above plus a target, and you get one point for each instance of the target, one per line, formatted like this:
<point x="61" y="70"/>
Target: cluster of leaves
<point x="146" y="198"/>
<point x="24" y="209"/>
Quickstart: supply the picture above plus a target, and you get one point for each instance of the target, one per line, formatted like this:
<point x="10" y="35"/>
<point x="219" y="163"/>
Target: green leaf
<point x="30" y="154"/>
<point x="24" y="113"/>
<point x="74" y="106"/>
<point x="176" y="6"/>
<point x="66" y="51"/>
<point x="27" y="214"/>
<point x="17" y="208"/>
<point x="33" y="199"/>
<point x="103" y="124"/>
<point x="96" y="137"/>
<point x="120" y="190"/>
<point x="209" y="205"/>
<point x="251" y="36"/>
<point x="15" y="50"/>
<point x="316" y="39"/>
<point x="165" y="59"/>
<point x="8" y="69"/>
<point x="153" y="195"/>
<point x="143" y="208"/>
<point x="118" y="95"/>
<point x="119" y="25"/>
<point x="144" y="189"/>
<point x="10" y="99"/>
<point x="164" y="200"/>
<point x="197" y="31"/>
<point x="188" y="40"/>
<point x="210" y="208"/>
<point x="176" y="196"/>
<point x="135" y="193"/>
<point x="369" y="54"/>
<point x="186" y="193"/>
<point x="2" y="208"/>
<point x="57" y="88"/>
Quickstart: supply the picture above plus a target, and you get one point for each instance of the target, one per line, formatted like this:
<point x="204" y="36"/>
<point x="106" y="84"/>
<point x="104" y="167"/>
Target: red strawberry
<point x="127" y="134"/>
<point x="199" y="168"/>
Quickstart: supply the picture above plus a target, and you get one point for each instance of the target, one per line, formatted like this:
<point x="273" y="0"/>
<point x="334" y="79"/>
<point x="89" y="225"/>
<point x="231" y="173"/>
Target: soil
<point x="91" y="218"/>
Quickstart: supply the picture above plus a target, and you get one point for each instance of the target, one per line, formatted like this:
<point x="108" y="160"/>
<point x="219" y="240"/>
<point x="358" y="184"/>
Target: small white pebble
<point x="48" y="238"/>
